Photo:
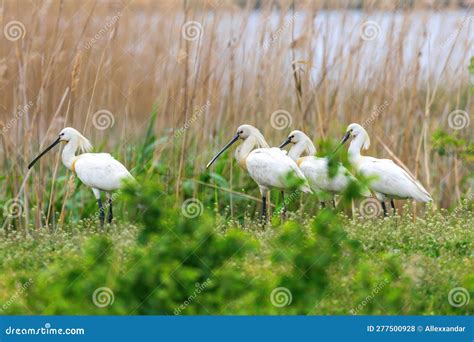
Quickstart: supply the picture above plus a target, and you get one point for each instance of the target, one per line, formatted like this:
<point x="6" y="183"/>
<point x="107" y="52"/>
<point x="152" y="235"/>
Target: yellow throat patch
<point x="300" y="160"/>
<point x="243" y="163"/>
<point x="73" y="166"/>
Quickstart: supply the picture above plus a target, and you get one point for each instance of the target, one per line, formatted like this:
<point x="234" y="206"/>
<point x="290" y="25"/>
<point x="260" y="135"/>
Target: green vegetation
<point x="171" y="264"/>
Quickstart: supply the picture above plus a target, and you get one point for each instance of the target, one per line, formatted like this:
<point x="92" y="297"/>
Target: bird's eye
<point x="241" y="132"/>
<point x="292" y="137"/>
<point x="61" y="135"/>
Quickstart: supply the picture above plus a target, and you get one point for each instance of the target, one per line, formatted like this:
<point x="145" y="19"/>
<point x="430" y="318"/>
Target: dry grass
<point x="321" y="71"/>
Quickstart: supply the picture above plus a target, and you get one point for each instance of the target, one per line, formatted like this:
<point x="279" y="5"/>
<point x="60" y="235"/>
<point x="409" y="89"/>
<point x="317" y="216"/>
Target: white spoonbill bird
<point x="268" y="167"/>
<point x="315" y="169"/>
<point x="390" y="181"/>
<point x="100" y="171"/>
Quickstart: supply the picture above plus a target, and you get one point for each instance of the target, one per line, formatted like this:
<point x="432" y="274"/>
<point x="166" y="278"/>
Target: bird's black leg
<point x="384" y="209"/>
<point x="111" y="214"/>
<point x="283" y="212"/>
<point x="334" y="203"/>
<point x="323" y="205"/>
<point x="101" y="212"/>
<point x="264" y="208"/>
<point x="393" y="207"/>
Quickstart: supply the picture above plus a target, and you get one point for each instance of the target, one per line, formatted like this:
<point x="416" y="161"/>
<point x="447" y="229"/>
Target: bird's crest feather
<point x="84" y="144"/>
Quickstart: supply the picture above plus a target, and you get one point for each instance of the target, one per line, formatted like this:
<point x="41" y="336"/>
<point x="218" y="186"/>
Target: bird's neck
<point x="247" y="146"/>
<point x="69" y="153"/>
<point x="302" y="147"/>
<point x="354" y="150"/>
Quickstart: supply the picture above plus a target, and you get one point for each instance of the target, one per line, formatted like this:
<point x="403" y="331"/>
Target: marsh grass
<point x="131" y="59"/>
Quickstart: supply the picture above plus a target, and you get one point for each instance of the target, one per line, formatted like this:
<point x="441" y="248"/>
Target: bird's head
<point x="353" y="131"/>
<point x="293" y="138"/>
<point x="298" y="137"/>
<point x="66" y="135"/>
<point x="244" y="132"/>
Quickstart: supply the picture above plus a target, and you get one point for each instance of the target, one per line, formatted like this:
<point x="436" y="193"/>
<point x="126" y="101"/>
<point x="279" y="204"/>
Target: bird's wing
<point x="101" y="171"/>
<point x="316" y="171"/>
<point x="391" y="179"/>
<point x="271" y="166"/>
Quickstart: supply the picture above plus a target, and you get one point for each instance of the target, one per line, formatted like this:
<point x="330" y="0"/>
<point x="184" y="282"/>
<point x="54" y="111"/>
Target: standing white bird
<point x="390" y="181"/>
<point x="100" y="171"/>
<point x="268" y="167"/>
<point x="316" y="169"/>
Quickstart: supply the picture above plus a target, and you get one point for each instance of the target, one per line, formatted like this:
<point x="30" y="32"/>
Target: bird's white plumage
<point x="269" y="167"/>
<point x="389" y="181"/>
<point x="101" y="171"/>
<point x="316" y="170"/>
